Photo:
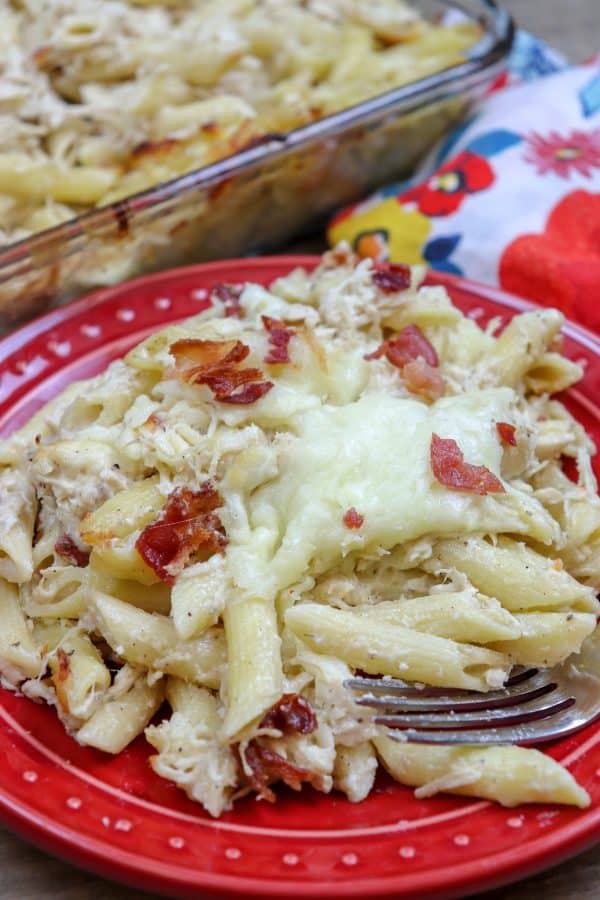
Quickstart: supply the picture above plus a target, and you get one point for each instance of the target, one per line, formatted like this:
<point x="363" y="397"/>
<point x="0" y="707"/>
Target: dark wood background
<point x="573" y="26"/>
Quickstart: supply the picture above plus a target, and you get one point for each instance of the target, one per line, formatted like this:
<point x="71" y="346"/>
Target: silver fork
<point x="535" y="705"/>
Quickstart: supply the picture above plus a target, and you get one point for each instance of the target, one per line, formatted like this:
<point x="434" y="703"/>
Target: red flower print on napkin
<point x="578" y="151"/>
<point x="445" y="190"/>
<point x="561" y="266"/>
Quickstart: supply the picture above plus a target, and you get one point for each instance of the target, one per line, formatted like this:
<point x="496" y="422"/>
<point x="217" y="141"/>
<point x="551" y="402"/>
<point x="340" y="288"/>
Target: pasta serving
<point x="101" y="101"/>
<point x="339" y="473"/>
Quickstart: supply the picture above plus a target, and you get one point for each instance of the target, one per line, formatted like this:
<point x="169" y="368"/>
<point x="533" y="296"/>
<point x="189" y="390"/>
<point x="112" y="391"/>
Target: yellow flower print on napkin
<point x="385" y="230"/>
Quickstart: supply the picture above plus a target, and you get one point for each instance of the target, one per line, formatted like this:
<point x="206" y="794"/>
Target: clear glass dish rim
<point x="60" y="241"/>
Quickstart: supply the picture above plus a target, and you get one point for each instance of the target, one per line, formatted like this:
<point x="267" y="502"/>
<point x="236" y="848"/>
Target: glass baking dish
<point x="260" y="197"/>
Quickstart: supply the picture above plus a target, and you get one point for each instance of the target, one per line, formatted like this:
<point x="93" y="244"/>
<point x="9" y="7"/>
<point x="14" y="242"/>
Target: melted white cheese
<point x="373" y="455"/>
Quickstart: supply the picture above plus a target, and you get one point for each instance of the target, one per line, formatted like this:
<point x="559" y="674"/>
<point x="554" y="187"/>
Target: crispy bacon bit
<point x="506" y="433"/>
<point x="186" y="525"/>
<point x="451" y="470"/>
<point x="391" y="277"/>
<point x="292" y="714"/>
<point x="416" y="357"/>
<point x="68" y="549"/>
<point x="352" y="518"/>
<point x="280" y="336"/>
<point x="229" y="295"/>
<point x="63" y="664"/>
<point x="216" y="364"/>
<point x="422" y="379"/>
<point x="408" y="345"/>
<point x="570" y="468"/>
<point x="266" y="766"/>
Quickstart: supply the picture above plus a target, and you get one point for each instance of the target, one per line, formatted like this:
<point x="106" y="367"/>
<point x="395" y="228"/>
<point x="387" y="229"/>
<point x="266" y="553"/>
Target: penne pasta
<point x="79" y="675"/>
<point x="261" y="502"/>
<point x="120" y="719"/>
<point x="254" y="680"/>
<point x="150" y="640"/>
<point x="509" y="775"/>
<point x="462" y="616"/>
<point x="547" y="638"/>
<point x="19" y="656"/>
<point x="379" y="648"/>
<point x="522" y="345"/>
<point x="198" y="597"/>
<point x="517" y="576"/>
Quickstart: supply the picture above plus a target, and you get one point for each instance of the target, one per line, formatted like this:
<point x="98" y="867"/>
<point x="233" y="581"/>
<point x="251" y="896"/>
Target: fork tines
<point x="437" y="715"/>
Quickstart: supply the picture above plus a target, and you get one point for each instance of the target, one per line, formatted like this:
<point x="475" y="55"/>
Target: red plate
<point x="114" y="816"/>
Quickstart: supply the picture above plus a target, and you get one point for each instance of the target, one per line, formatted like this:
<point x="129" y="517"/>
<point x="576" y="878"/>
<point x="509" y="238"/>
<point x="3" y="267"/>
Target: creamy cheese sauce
<point x="373" y="455"/>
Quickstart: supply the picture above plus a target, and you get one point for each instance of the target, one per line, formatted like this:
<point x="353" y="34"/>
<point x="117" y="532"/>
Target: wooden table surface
<point x="28" y="874"/>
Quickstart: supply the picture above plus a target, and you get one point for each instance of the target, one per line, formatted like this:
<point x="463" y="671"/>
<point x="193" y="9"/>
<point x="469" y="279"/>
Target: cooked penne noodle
<point x="547" y="638"/>
<point x="522" y="345"/>
<point x="150" y="640"/>
<point x="254" y="679"/>
<point x="260" y="502"/>
<point x="79" y="675"/>
<point x="517" y="576"/>
<point x="379" y="648"/>
<point x="120" y="719"/>
<point x="16" y="531"/>
<point x="509" y="775"/>
<point x="461" y="616"/>
<point x="19" y="656"/>
<point x="198" y="597"/>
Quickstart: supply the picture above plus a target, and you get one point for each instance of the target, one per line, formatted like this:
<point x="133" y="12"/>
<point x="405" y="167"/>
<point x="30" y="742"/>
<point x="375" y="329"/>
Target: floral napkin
<point x="512" y="197"/>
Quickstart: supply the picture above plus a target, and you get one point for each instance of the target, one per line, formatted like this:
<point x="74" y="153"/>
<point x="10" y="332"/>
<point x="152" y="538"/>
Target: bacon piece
<point x="408" y="345"/>
<point x="451" y="470"/>
<point x="266" y="765"/>
<point x="217" y="365"/>
<point x="280" y="336"/>
<point x="186" y="525"/>
<point x="195" y="357"/>
<point x="292" y="714"/>
<point x="229" y="295"/>
<point x="352" y="518"/>
<point x="422" y="379"/>
<point x="569" y="467"/>
<point x="249" y="394"/>
<point x="506" y="433"/>
<point x="391" y="277"/>
<point x="416" y="357"/>
<point x="68" y="549"/>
